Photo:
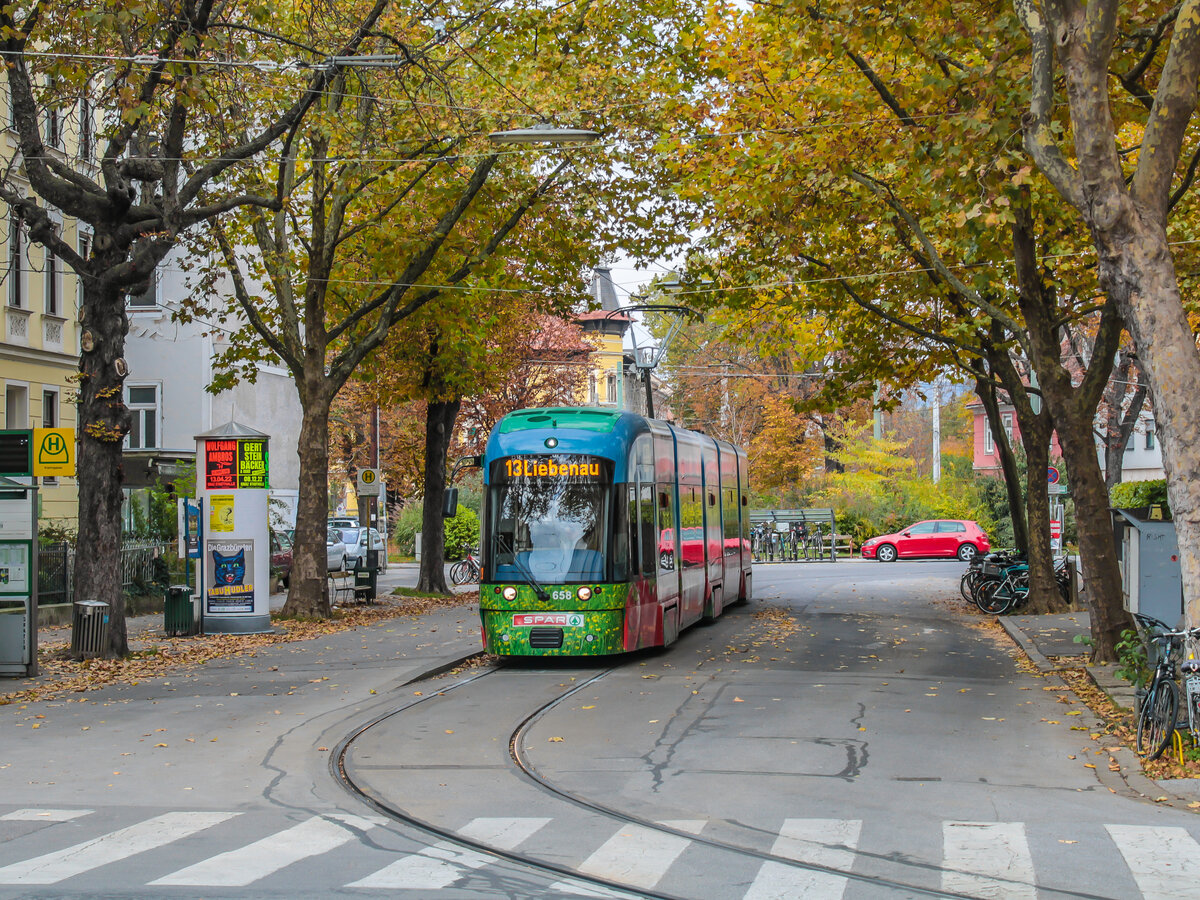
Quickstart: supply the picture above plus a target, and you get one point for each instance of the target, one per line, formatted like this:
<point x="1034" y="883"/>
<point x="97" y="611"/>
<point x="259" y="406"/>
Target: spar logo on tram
<point x="605" y="532"/>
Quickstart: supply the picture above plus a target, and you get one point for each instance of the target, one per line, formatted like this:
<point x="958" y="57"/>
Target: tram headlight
<point x="584" y="593"/>
<point x="510" y="593"/>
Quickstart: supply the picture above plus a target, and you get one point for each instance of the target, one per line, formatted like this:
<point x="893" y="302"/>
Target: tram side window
<point x="621" y="564"/>
<point x="649" y="537"/>
<point x="731" y="530"/>
<point x="691" y="520"/>
<point x="666" y="531"/>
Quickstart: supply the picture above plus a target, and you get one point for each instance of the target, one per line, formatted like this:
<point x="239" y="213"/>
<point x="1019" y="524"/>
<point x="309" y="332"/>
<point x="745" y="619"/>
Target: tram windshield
<point x="547" y="517"/>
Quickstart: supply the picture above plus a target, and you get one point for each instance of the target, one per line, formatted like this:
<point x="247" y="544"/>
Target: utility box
<point x="179" y="618"/>
<point x="89" y="628"/>
<point x="1148" y="554"/>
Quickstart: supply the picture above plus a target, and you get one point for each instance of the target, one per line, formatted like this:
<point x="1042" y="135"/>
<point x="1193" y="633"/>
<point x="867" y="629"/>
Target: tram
<point x="606" y="532"/>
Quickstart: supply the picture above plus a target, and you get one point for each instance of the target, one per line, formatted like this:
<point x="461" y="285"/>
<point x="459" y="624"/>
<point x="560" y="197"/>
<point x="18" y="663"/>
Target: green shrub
<point x="462" y="532"/>
<point x="1132" y="494"/>
<point x="404" y="532"/>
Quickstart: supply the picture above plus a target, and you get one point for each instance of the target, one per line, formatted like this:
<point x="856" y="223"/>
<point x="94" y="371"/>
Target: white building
<point x="170" y="368"/>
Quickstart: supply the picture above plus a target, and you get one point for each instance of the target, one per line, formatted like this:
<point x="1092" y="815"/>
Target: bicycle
<point x="816" y="543"/>
<point x="1005" y="589"/>
<point x="466" y="570"/>
<point x="1158" y="706"/>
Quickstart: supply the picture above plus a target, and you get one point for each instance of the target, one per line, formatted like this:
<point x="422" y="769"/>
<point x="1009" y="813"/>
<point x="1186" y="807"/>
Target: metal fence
<point x="56" y="569"/>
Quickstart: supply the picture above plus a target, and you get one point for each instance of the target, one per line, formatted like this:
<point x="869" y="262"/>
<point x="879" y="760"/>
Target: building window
<point x="16" y="406"/>
<point x="16" y="271"/>
<point x="85" y="252"/>
<point x="50" y="420"/>
<point x="86" y="135"/>
<point x="142" y="401"/>
<point x="49" y="409"/>
<point x="989" y="445"/>
<point x="610" y="386"/>
<point x="1131" y="444"/>
<point x="593" y="399"/>
<point x="1149" y="435"/>
<point x="53" y="286"/>
<point x="1006" y="419"/>
<point x="147" y="299"/>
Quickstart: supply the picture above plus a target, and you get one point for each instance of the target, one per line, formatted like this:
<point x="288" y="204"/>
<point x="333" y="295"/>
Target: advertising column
<point x="232" y="474"/>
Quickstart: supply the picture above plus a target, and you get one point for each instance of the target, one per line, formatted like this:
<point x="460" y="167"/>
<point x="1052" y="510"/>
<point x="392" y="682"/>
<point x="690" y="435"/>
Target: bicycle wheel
<point x="965" y="587"/>
<point x="993" y="597"/>
<point x="459" y="573"/>
<point x="1156" y="724"/>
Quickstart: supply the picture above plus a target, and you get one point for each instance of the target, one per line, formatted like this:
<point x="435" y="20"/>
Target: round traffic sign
<point x="1052" y="475"/>
<point x="367" y="476"/>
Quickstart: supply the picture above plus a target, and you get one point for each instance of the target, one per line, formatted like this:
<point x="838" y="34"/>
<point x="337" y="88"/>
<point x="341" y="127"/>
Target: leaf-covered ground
<point x="153" y="654"/>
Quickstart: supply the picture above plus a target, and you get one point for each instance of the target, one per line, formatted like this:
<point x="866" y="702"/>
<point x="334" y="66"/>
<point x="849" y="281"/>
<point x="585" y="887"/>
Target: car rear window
<point x="951" y="526"/>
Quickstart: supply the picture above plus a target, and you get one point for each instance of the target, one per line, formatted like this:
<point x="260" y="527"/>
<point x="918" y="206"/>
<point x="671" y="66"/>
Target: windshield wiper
<point x="542" y="594"/>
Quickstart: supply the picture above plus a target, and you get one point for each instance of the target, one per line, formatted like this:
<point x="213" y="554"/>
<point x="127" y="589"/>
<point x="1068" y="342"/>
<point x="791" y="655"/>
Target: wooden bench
<point x="843" y="543"/>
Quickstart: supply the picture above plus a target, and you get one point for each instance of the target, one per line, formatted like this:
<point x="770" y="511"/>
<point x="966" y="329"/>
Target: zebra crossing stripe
<point x="44" y="815"/>
<point x="247" y="864"/>
<point x="52" y="868"/>
<point x="988" y="860"/>
<point x="1164" y="860"/>
<point x="635" y="855"/>
<point x="433" y="868"/>
<point x="502" y="833"/>
<point x="443" y="864"/>
<point x="824" y="842"/>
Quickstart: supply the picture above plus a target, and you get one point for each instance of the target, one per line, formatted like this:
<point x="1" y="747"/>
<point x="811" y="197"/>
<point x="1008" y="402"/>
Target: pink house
<point x="986" y="456"/>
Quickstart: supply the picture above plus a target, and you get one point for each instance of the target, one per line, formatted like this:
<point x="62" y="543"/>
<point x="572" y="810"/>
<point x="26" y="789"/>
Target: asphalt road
<point x="854" y="731"/>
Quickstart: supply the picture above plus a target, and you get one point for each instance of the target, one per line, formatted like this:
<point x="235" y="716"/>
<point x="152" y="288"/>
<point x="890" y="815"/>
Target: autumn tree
<point x="1129" y="80"/>
<point x="897" y="191"/>
<point x="142" y="87"/>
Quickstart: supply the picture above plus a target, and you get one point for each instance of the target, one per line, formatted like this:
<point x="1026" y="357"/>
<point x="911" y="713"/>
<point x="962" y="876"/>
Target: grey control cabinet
<point x="1148" y="553"/>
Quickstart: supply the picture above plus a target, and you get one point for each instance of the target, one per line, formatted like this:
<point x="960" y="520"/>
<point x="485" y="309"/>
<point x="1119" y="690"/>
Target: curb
<point x="1128" y="779"/>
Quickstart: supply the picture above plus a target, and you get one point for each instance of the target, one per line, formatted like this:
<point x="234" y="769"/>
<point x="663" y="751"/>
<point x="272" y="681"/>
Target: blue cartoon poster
<point x="230" y="575"/>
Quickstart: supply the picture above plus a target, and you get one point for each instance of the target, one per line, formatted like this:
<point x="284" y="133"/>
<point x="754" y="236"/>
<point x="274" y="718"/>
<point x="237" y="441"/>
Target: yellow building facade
<point x="39" y="335"/>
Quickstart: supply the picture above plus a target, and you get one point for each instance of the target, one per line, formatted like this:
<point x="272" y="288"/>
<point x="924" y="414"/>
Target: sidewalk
<point x="1052" y="637"/>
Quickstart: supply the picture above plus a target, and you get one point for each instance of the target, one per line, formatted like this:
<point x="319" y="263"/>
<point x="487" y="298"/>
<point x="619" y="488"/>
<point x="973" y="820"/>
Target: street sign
<point x="54" y="451"/>
<point x="1052" y="475"/>
<point x="1055" y="529"/>
<point x="369" y="483"/>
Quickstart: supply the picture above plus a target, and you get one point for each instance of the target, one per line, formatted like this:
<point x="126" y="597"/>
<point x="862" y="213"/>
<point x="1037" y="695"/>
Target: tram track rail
<point x="527" y="771"/>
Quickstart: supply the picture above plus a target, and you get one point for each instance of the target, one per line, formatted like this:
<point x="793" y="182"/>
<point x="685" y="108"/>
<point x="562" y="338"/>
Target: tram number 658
<point x="561" y="595"/>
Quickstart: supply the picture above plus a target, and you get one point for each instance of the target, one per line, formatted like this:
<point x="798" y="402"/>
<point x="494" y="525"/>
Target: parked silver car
<point x="336" y="551"/>
<point x="356" y="546"/>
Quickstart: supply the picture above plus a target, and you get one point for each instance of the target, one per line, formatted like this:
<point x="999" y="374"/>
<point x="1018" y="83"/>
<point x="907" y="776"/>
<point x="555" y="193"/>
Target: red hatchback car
<point x="937" y="537"/>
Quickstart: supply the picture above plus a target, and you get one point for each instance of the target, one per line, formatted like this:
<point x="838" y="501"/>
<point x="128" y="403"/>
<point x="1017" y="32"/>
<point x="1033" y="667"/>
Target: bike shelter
<point x="780" y="521"/>
<point x="1148" y="554"/>
<point x="18" y="578"/>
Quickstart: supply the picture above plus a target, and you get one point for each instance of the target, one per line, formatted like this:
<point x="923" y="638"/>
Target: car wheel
<point x="885" y="553"/>
<point x="342" y="567"/>
<point x="966" y="552"/>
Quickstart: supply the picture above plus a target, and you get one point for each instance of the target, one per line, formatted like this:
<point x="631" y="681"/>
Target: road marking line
<point x="45" y="815"/>
<point x="823" y="842"/>
<point x="502" y="833"/>
<point x="238" y="868"/>
<point x="988" y="860"/>
<point x="635" y="855"/>
<point x="52" y="868"/>
<point x="433" y="868"/>
<point x="1164" y="861"/>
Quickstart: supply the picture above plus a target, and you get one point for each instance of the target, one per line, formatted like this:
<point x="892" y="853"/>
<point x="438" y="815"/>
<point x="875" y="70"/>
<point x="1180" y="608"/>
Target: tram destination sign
<point x="518" y="468"/>
<point x="235" y="464"/>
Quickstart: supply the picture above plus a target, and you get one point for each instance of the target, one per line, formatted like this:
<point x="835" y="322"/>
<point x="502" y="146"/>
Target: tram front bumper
<point x="592" y="632"/>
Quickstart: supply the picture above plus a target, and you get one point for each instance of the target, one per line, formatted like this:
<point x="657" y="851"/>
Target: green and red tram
<point x="606" y="532"/>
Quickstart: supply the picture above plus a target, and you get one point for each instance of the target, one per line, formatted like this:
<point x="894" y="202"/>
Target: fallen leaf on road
<point x="555" y="740"/>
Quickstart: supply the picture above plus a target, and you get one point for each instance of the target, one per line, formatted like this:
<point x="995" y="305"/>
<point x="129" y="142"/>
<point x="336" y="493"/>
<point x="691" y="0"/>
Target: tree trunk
<point x="1137" y="270"/>
<point x="985" y="389"/>
<point x="1043" y="594"/>
<point x="439" y="426"/>
<point x="104" y="420"/>
<point x="1120" y="417"/>
<point x="1096" y="547"/>
<point x="308" y="585"/>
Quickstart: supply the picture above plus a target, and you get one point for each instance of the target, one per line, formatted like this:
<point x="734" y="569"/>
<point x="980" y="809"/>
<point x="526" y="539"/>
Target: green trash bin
<point x="179" y="617"/>
<point x="364" y="579"/>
